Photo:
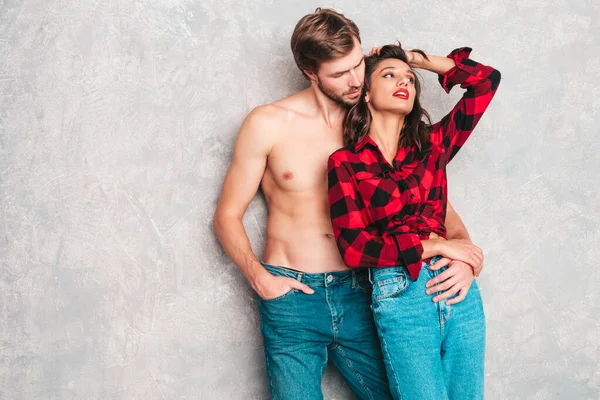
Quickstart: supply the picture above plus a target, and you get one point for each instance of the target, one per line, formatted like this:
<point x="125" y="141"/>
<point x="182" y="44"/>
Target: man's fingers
<point x="448" y="293"/>
<point x="440" y="278"/>
<point x="461" y="296"/>
<point x="440" y="287"/>
<point x="300" y="286"/>
<point x="439" y="264"/>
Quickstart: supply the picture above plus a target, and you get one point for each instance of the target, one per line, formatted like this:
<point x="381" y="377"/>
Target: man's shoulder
<point x="265" y="113"/>
<point x="281" y="112"/>
<point x="295" y="106"/>
<point x="262" y="122"/>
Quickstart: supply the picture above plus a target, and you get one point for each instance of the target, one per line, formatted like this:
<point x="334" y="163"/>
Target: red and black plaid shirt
<point x="381" y="212"/>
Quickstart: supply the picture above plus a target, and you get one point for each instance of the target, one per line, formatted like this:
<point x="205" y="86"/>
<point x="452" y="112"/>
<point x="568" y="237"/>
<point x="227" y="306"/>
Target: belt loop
<point x="299" y="277"/>
<point x="370" y="276"/>
<point x="353" y="279"/>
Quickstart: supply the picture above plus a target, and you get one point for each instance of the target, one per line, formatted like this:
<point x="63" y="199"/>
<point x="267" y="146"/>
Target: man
<point x="312" y="306"/>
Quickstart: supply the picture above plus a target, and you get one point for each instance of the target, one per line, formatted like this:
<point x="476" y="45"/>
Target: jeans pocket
<point x="389" y="285"/>
<point x="283" y="296"/>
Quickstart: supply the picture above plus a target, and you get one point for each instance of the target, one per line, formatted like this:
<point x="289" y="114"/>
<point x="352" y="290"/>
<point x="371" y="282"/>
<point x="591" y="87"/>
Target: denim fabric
<point x="302" y="330"/>
<point x="432" y="351"/>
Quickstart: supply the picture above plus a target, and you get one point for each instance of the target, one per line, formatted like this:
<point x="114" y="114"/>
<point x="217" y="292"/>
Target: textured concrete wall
<point x="117" y="120"/>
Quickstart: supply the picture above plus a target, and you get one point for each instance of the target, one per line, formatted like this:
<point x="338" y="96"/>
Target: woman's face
<point x="392" y="87"/>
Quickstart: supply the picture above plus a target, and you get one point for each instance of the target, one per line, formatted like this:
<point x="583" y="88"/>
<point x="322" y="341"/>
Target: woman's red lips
<point x="401" y="94"/>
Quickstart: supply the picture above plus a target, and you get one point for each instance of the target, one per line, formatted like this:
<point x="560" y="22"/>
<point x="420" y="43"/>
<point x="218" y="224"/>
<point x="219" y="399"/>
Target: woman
<point x="388" y="196"/>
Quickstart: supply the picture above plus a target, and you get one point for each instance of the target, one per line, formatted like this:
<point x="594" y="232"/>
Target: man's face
<point x="342" y="79"/>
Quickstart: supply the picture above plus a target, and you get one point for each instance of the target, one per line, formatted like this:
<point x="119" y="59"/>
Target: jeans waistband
<point x="425" y="265"/>
<point x="325" y="279"/>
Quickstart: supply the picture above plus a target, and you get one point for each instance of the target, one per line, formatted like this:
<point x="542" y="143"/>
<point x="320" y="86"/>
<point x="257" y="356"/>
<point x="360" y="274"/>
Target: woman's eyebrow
<point x="408" y="71"/>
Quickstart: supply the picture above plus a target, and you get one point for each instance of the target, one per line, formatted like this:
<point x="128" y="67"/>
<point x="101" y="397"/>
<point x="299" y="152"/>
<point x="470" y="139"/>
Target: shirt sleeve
<point x="359" y="245"/>
<point x="481" y="82"/>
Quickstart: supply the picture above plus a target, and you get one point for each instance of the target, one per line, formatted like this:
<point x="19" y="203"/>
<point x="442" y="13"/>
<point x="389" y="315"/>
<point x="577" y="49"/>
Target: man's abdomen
<point x="304" y="244"/>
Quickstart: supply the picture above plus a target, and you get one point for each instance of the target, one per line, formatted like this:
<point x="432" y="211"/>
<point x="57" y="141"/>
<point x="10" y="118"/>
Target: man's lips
<point x="353" y="94"/>
<point x="401" y="94"/>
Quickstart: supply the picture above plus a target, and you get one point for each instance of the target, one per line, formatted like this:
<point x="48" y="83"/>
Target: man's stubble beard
<point x="336" y="98"/>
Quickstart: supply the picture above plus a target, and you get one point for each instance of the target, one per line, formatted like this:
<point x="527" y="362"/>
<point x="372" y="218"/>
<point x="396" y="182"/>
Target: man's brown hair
<point x="322" y="36"/>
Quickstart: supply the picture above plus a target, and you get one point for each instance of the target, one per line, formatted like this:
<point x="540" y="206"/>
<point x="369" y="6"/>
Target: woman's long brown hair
<point x="357" y="123"/>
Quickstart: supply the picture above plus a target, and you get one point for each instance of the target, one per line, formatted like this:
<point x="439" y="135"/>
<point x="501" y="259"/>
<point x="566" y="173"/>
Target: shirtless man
<point x="312" y="306"/>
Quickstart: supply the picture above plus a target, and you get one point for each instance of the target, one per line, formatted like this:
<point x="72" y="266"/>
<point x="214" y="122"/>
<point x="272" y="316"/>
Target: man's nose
<point x="354" y="81"/>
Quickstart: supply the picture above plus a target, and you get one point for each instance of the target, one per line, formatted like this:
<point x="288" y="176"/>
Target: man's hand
<point x="270" y="286"/>
<point x="456" y="279"/>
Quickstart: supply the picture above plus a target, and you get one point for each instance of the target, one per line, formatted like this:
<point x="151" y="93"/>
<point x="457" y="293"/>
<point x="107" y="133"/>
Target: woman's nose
<point x="402" y="81"/>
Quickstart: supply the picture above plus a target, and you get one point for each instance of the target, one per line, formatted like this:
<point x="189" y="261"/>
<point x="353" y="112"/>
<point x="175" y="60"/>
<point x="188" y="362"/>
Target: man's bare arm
<point x="241" y="183"/>
<point x="455" y="227"/>
<point x="457" y="279"/>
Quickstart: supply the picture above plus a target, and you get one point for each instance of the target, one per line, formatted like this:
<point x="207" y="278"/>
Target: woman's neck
<point x="385" y="131"/>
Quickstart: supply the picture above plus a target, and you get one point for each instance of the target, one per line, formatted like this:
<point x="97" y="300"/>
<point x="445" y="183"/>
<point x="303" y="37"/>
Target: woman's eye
<point x="411" y="80"/>
<point x="389" y="75"/>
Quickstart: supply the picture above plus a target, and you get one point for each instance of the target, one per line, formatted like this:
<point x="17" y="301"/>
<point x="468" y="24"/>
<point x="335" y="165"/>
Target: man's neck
<point x="330" y="111"/>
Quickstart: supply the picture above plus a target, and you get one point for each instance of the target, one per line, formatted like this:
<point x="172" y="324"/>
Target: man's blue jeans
<point x="432" y="351"/>
<point x="302" y="330"/>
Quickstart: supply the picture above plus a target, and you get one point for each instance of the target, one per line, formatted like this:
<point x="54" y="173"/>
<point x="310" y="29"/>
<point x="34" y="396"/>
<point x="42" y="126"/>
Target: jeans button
<point x="329" y="278"/>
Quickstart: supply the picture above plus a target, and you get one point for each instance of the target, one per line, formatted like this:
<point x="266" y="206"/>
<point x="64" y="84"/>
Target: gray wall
<point x="117" y="120"/>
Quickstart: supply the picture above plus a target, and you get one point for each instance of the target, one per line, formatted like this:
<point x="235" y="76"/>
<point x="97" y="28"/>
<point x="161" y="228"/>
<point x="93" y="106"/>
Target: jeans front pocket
<point x="389" y="284"/>
<point x="283" y="296"/>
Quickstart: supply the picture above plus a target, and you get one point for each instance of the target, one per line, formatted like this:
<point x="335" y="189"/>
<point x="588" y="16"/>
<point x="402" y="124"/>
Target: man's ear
<point x="311" y="75"/>
<point x="367" y="98"/>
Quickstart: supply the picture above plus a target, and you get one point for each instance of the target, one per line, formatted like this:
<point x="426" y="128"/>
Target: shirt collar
<point x="364" y="141"/>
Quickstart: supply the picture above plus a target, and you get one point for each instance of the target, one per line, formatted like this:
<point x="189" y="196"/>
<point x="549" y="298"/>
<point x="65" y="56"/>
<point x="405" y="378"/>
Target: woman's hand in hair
<point x="375" y="50"/>
<point x="410" y="56"/>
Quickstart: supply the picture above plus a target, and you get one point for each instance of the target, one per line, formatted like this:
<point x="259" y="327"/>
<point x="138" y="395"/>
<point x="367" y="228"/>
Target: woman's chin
<point x="400" y="111"/>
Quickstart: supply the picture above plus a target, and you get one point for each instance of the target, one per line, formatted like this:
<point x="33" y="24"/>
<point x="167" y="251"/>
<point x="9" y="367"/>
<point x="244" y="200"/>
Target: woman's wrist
<point x="415" y="60"/>
<point x="432" y="247"/>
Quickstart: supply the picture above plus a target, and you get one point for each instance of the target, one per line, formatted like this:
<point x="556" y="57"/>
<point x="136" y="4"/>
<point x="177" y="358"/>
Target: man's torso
<point x="299" y="233"/>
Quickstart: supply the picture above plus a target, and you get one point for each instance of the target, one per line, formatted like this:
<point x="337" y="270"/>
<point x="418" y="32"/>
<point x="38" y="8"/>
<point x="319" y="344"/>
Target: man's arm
<point x="463" y="274"/>
<point x="455" y="227"/>
<point x="245" y="173"/>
